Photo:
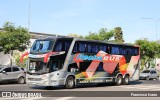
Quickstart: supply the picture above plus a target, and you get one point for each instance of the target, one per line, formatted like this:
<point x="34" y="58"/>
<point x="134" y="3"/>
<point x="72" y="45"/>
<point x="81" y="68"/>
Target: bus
<point x="71" y="61"/>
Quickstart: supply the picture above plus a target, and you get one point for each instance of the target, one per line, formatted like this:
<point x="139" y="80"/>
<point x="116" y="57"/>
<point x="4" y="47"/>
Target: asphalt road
<point x="94" y="91"/>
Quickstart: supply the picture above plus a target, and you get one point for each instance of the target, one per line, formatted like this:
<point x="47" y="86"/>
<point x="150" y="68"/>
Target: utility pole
<point x="29" y="8"/>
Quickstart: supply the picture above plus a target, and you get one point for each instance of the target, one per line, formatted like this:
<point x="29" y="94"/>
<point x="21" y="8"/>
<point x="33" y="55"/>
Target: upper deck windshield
<point x="42" y="46"/>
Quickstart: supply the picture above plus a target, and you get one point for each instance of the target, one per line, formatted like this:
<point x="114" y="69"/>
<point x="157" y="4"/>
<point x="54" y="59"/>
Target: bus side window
<point x="94" y="48"/>
<point x="67" y="45"/>
<point x="103" y="48"/>
<point x="58" y="46"/>
<point x="124" y="51"/>
<point x="115" y="50"/>
<point x="89" y="48"/>
<point x="136" y="51"/>
<point x="82" y="47"/>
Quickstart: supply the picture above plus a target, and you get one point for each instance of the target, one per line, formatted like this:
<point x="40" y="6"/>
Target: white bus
<point x="71" y="61"/>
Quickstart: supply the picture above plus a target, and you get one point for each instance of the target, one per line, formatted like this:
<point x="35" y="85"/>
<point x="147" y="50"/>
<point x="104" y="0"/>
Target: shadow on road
<point x="136" y="82"/>
<point x="8" y="83"/>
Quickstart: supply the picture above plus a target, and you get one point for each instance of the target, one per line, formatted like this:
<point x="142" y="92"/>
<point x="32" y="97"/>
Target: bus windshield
<point x="38" y="67"/>
<point x="42" y="46"/>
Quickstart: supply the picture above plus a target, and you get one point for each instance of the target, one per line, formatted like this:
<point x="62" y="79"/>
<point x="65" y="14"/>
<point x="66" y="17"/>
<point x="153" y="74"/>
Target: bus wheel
<point x="70" y="83"/>
<point x="21" y="80"/>
<point x="126" y="80"/>
<point x="119" y="80"/>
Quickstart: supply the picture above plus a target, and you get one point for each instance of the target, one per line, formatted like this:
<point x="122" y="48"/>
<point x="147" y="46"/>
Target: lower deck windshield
<point x="38" y="67"/>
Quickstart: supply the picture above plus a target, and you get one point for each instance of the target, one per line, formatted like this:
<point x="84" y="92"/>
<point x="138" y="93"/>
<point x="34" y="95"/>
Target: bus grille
<point x="34" y="79"/>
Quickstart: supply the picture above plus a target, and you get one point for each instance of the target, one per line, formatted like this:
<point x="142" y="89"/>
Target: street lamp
<point x="29" y="7"/>
<point x="156" y="22"/>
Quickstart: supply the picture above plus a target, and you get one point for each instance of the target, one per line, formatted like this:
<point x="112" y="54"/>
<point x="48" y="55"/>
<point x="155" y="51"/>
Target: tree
<point x="102" y="35"/>
<point x="75" y="35"/>
<point x="118" y="36"/>
<point x="149" y="51"/>
<point x="13" y="38"/>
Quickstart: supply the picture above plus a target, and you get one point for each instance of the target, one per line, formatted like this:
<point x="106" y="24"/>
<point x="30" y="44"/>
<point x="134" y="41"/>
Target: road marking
<point x="64" y="98"/>
<point x="150" y="87"/>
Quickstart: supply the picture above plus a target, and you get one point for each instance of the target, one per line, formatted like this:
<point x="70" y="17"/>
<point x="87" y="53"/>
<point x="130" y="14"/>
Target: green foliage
<point x="102" y="35"/>
<point x="13" y="38"/>
<point x="118" y="36"/>
<point x="75" y="35"/>
<point x="105" y="35"/>
<point x="149" y="51"/>
<point x="24" y="64"/>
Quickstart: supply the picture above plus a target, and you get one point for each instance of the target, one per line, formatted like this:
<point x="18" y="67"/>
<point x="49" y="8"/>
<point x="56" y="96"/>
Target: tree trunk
<point x="11" y="57"/>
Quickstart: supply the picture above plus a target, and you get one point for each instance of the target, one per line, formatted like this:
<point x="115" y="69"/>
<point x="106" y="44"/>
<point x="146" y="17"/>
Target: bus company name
<point x="86" y="57"/>
<point x="98" y="58"/>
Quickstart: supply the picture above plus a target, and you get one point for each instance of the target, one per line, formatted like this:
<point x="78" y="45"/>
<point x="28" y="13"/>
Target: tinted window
<point x="86" y="47"/>
<point x="80" y="47"/>
<point x="7" y="69"/>
<point x="15" y="69"/>
<point x="55" y="65"/>
<point x="42" y="46"/>
<point x="146" y="71"/>
<point x="92" y="48"/>
<point x="103" y="48"/>
<point x="62" y="45"/>
<point x="124" y="50"/>
<point x="58" y="46"/>
<point x="154" y="72"/>
<point x="115" y="50"/>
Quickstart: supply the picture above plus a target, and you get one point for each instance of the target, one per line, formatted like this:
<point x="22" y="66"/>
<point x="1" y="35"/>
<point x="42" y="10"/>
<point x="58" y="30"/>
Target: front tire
<point x="21" y="80"/>
<point x="70" y="83"/>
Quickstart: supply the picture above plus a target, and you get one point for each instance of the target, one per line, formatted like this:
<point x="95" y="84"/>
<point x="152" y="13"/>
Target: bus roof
<point x="98" y="41"/>
<point x="88" y="40"/>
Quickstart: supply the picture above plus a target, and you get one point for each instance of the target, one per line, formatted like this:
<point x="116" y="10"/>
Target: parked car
<point x="12" y="73"/>
<point x="149" y="74"/>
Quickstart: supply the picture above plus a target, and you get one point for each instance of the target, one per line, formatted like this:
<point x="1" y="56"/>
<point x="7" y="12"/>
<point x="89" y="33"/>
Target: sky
<point x="137" y="18"/>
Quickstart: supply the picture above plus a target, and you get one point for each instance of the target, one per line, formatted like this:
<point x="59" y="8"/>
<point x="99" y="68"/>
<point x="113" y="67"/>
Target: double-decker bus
<point x="72" y="61"/>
